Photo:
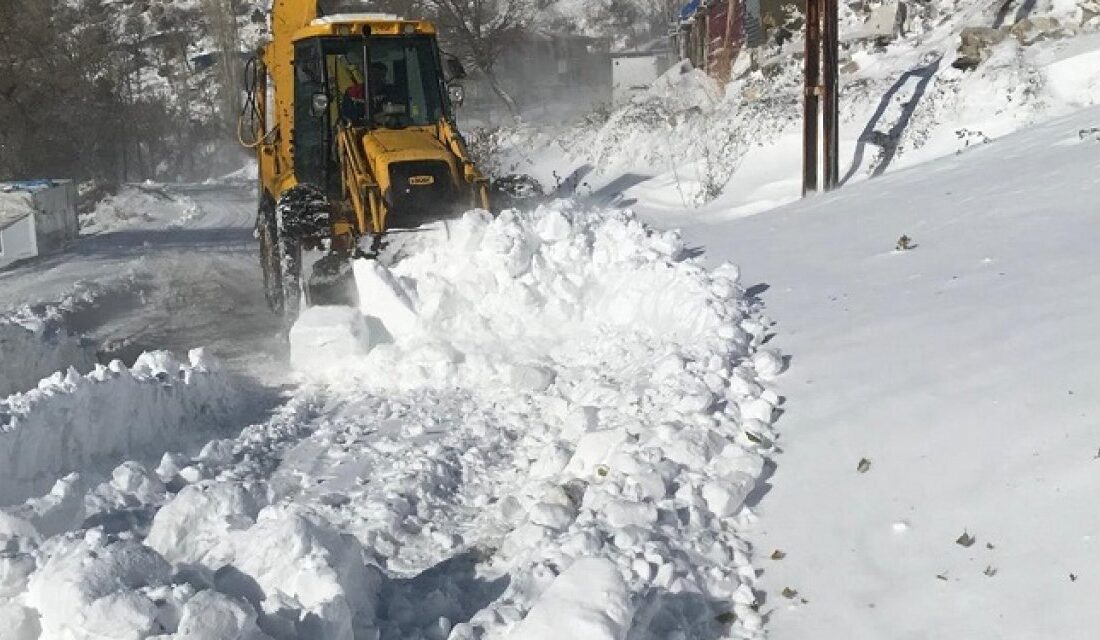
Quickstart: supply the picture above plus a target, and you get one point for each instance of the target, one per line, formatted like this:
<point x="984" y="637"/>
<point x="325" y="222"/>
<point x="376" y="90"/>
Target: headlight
<point x="457" y="93"/>
<point x="320" y="104"/>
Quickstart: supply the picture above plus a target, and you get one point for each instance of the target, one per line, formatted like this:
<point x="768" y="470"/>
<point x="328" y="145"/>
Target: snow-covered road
<point x="160" y="267"/>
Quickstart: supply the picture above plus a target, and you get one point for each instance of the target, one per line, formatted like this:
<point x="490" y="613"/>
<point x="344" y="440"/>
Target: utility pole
<point x="821" y="97"/>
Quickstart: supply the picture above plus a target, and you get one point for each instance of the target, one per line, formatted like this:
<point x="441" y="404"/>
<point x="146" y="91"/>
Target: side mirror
<point x="318" y="105"/>
<point x="455" y="68"/>
<point x="457" y="93"/>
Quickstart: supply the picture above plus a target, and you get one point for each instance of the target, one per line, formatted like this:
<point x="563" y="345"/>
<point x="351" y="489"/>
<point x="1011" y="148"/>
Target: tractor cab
<point x="373" y="78"/>
<point x="352" y="119"/>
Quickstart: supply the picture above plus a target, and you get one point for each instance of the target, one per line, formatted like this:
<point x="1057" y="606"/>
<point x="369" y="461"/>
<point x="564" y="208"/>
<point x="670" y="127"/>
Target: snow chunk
<point x="383" y="297"/>
<point x="768" y="363"/>
<point x="589" y="600"/>
<point x="593" y="449"/>
<point x="18" y="622"/>
<point x="298" y="561"/>
<point x="214" y="616"/>
<point x="325" y="338"/>
<point x="86" y="590"/>
<point x="193" y="528"/>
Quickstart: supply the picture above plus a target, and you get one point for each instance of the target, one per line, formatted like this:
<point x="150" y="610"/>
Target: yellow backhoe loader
<point x="352" y="118"/>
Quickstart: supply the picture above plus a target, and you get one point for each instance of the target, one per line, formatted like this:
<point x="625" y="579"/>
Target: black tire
<point x="304" y="212"/>
<point x="303" y="218"/>
<point x="515" y="191"/>
<point x="267" y="230"/>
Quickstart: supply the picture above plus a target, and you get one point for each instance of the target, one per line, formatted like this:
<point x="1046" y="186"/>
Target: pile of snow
<point x="544" y="418"/>
<point x="246" y="175"/>
<point x="305" y="578"/>
<point x="40" y="347"/>
<point x="37" y="340"/>
<point x="630" y="423"/>
<point x="73" y="422"/>
<point x="145" y="207"/>
<point x="509" y="300"/>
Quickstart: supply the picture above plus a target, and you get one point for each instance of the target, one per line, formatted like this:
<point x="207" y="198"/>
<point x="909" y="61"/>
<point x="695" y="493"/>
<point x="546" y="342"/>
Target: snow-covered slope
<point x="696" y="149"/>
<point x="963" y="369"/>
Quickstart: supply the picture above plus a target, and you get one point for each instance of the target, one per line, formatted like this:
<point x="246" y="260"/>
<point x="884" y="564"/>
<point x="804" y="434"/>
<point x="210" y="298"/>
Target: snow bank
<point x="510" y="299"/>
<point x="962" y="376"/>
<point x="630" y="424"/>
<point x="73" y="422"/>
<point x="33" y="350"/>
<point x="146" y="207"/>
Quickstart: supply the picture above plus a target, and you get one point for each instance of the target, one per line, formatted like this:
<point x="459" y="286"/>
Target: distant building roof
<point x="26" y="186"/>
<point x="689" y="9"/>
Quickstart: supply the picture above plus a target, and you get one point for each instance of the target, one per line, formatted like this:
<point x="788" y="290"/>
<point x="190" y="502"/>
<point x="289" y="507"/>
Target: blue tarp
<point x="689" y="9"/>
<point x="25" y="185"/>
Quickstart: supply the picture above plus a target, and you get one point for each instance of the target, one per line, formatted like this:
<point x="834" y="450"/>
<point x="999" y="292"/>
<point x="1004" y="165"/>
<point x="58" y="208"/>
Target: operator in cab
<point x="354" y="105"/>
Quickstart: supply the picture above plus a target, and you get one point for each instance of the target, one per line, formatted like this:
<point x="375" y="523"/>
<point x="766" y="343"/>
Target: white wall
<point x="631" y="75"/>
<point x="18" y="242"/>
<point x="56" y="222"/>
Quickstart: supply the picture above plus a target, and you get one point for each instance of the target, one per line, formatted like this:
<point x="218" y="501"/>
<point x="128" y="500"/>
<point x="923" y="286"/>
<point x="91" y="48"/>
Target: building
<point x="545" y="73"/>
<point x="36" y="218"/>
<point x="634" y="71"/>
<point x="712" y="33"/>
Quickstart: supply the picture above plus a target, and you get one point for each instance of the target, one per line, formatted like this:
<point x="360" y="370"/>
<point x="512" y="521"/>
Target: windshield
<point x="390" y="82"/>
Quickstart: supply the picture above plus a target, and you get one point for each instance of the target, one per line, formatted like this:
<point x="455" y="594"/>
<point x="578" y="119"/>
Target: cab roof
<point x="381" y="24"/>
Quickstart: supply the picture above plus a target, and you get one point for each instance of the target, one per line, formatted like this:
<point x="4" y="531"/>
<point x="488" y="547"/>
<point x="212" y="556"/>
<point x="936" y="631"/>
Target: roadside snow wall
<point x="74" y="423"/>
<point x="30" y="351"/>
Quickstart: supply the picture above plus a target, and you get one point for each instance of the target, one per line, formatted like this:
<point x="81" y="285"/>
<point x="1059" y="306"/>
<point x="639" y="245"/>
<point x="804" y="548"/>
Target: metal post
<point x="811" y="112"/>
<point x="830" y="99"/>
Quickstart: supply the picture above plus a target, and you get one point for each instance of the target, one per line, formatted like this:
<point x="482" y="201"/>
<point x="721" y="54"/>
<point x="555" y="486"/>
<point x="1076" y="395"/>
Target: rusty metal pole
<point x="831" y="98"/>
<point x="811" y="111"/>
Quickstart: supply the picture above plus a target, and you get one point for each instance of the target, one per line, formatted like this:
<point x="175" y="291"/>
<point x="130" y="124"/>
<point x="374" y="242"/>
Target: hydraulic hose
<point x="250" y="109"/>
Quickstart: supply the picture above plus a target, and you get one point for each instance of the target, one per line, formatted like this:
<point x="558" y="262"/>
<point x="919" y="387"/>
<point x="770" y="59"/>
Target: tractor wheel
<point x="267" y="230"/>
<point x="304" y="212"/>
<point x="303" y="217"/>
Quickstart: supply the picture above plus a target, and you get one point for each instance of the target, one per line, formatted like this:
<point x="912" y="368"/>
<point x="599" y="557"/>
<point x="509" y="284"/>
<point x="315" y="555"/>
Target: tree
<point x="221" y="16"/>
<point x="478" y="32"/>
<point x="96" y="89"/>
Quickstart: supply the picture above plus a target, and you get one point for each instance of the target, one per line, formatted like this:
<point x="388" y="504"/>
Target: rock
<point x="885" y="22"/>
<point x="1089" y="10"/>
<point x="976" y="46"/>
<point x="1031" y="30"/>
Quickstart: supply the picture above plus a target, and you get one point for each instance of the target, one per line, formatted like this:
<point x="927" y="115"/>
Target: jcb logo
<point x="421" y="181"/>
